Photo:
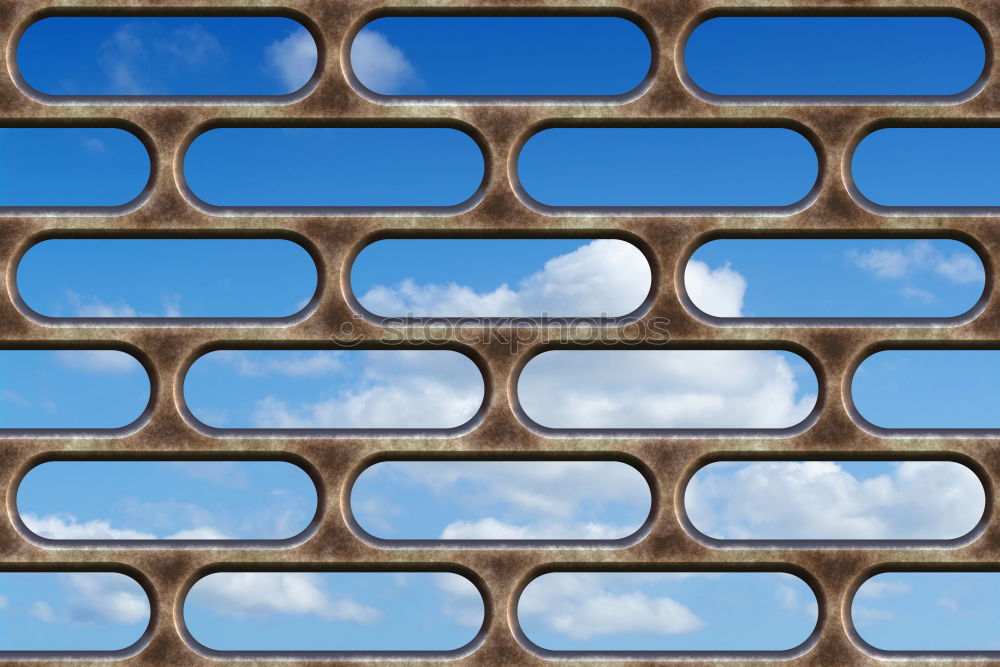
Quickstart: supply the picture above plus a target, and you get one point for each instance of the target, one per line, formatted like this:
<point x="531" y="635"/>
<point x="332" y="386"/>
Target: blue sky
<point x="588" y="277"/>
<point x="834" y="55"/>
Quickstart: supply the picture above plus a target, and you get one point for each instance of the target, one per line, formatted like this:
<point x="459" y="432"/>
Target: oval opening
<point x="834" y="56"/>
<point x="929" y="389"/>
<point x="929" y="167"/>
<point x="715" y="612"/>
<point x="79" y="167"/>
<point x="334" y="167"/>
<point x="71" y="612"/>
<point x="667" y="389"/>
<point x="504" y="56"/>
<point x="929" y="611"/>
<point x="835" y="500"/>
<point x="142" y="56"/>
<point x="71" y="389"/>
<point x="485" y="278"/>
<point x="171" y="278"/>
<point x="370" y="612"/>
<point x="768" y="169"/>
<point x="506" y="501"/>
<point x="836" y="278"/>
<point x="334" y="389"/>
<point x="166" y="500"/>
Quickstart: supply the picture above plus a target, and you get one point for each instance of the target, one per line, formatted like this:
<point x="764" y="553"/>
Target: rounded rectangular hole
<point x="71" y="389"/>
<point x="739" y="501"/>
<point x="684" y="390"/>
<point x="146" y="501"/>
<point x="501" y="56"/>
<point x="664" y="612"/>
<point x="97" y="614"/>
<point x="71" y="167"/>
<point x="154" y="56"/>
<point x="668" y="169"/>
<point x="501" y="501"/>
<point x="928" y="169"/>
<point x="900" y="613"/>
<point x="309" y="390"/>
<point x="70" y="278"/>
<point x="815" y="58"/>
<point x="501" y="278"/>
<point x="929" y="389"/>
<point x="284" y="613"/>
<point x="338" y="168"/>
<point x="834" y="278"/>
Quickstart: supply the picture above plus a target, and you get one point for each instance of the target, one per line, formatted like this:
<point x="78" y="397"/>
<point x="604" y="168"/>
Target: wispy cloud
<point x="288" y="364"/>
<point x="399" y="388"/>
<point x="293" y="59"/>
<point x="95" y="597"/>
<point x="380" y="65"/>
<point x="141" y="58"/>
<point x="676" y="388"/>
<point x="918" y="257"/>
<point x="515" y="499"/>
<point x="67" y="527"/>
<point x="580" y="607"/>
<point x="821" y="499"/>
<point x="262" y="594"/>
<point x="98" y="361"/>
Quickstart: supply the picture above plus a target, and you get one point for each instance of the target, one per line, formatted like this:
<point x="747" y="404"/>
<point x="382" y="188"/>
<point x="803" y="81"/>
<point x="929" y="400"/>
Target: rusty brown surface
<point x="667" y="238"/>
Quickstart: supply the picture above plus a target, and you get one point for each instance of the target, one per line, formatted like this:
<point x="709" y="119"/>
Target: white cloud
<point x="662" y="389"/>
<point x="788" y="597"/>
<point x="96" y="597"/>
<point x="14" y="397"/>
<point x="191" y="45"/>
<point x="95" y="307"/>
<point x="952" y="604"/>
<point x="865" y="616"/>
<point x="261" y="594"/>
<point x="918" y="257"/>
<point x="119" y="56"/>
<point x="517" y="499"/>
<point x="293" y="58"/>
<point x="66" y="527"/>
<point x="283" y="363"/>
<point x="606" y="276"/>
<point x="95" y="144"/>
<point x="400" y="389"/>
<point x="199" y="533"/>
<point x="135" y="51"/>
<point x="231" y="474"/>
<point x="172" y="305"/>
<point x="44" y="612"/>
<point x="554" y="488"/>
<point x="580" y="607"/>
<point x="718" y="291"/>
<point x="98" y="361"/>
<point x="4" y="602"/>
<point x="877" y="589"/>
<point x="917" y="294"/>
<point x="822" y="500"/>
<point x="490" y="528"/>
<point x="110" y="597"/>
<point x="379" y="65"/>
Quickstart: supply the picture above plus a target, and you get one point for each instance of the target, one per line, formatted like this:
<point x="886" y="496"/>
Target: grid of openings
<point x="498" y="201"/>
